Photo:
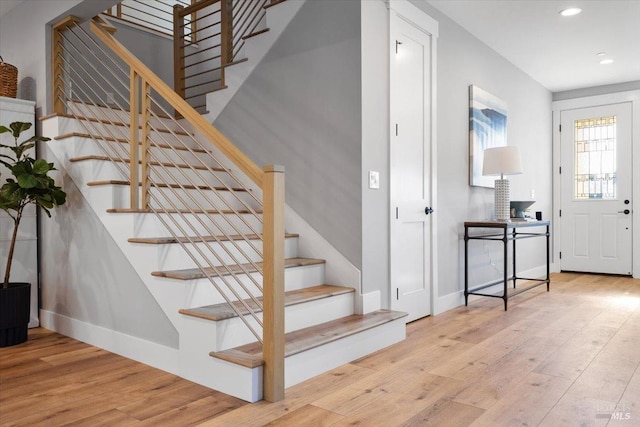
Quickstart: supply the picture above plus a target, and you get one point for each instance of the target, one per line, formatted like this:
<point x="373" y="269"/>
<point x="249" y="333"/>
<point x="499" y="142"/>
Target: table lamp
<point x="502" y="161"/>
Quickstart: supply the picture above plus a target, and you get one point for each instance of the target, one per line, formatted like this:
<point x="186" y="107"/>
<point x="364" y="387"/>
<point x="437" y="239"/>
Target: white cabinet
<point x="25" y="259"/>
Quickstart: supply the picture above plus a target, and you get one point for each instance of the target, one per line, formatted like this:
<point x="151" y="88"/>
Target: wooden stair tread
<point x="184" y="211"/>
<point x="169" y="240"/>
<point x="169" y="165"/>
<point x="164" y="185"/>
<point x="224" y="311"/>
<point x="125" y="141"/>
<point x="250" y="355"/>
<point x="195" y="273"/>
<point x="218" y="88"/>
<point x="273" y="3"/>
<point x="255" y="33"/>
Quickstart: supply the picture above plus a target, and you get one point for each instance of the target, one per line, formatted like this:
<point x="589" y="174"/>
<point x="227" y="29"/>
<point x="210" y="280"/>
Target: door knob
<point x="428" y="210"/>
<point x="626" y="211"/>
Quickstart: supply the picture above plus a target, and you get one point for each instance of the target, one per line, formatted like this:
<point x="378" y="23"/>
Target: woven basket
<point x="8" y="79"/>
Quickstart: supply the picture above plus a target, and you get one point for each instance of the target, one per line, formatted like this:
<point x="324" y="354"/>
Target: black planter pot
<point x="15" y="304"/>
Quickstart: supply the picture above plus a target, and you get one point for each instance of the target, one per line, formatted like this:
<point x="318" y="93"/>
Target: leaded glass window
<point x="595" y="158"/>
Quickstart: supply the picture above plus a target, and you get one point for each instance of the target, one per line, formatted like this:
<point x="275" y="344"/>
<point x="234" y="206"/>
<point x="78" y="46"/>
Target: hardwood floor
<point x="568" y="357"/>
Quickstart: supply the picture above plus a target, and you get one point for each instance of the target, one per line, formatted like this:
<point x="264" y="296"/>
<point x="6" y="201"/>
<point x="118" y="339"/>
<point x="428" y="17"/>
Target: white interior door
<point x="595" y="181"/>
<point x="410" y="148"/>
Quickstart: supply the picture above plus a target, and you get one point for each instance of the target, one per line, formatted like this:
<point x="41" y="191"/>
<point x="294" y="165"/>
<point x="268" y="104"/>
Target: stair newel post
<point x="226" y="35"/>
<point x="273" y="286"/>
<point x="57" y="64"/>
<point x="178" y="51"/>
<point x="145" y="116"/>
<point x="134" y="138"/>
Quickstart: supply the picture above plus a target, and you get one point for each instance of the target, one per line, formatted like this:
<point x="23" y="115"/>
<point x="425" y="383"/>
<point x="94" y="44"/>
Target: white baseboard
<point x="370" y="302"/>
<point x="149" y="353"/>
<point x="456" y="299"/>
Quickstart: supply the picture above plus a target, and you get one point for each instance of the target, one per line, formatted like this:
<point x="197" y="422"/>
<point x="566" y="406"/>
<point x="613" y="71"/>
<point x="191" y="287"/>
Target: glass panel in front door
<point x="595" y="158"/>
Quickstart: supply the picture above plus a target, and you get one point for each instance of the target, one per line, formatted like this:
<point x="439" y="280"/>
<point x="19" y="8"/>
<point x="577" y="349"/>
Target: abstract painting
<point x="487" y="129"/>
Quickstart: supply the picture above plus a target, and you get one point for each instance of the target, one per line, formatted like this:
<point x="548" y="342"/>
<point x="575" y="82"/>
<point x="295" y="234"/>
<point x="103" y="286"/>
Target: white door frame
<point x="592" y="101"/>
<point x="404" y="10"/>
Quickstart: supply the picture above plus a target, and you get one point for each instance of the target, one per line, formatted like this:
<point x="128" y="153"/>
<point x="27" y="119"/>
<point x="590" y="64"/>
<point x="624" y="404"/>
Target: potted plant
<point x="28" y="184"/>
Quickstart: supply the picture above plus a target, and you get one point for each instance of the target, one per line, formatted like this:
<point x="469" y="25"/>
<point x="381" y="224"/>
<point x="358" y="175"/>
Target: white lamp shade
<point x="501" y="161"/>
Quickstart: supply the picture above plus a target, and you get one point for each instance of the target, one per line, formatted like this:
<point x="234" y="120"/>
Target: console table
<point x="505" y="232"/>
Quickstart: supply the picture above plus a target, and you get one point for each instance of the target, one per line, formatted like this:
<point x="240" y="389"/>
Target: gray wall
<point x="301" y="108"/>
<point x="462" y="60"/>
<point x="78" y="277"/>
<point x="85" y="275"/>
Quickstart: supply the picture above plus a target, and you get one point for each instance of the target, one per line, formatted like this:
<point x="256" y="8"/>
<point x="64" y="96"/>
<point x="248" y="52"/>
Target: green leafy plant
<point x="30" y="183"/>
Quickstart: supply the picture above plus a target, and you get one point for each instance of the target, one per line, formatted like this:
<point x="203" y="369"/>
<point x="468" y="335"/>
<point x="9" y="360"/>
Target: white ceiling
<point x="559" y="52"/>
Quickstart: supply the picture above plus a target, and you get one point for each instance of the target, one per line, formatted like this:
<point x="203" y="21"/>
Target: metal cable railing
<point x="209" y="35"/>
<point x="176" y="185"/>
<point x="154" y="15"/>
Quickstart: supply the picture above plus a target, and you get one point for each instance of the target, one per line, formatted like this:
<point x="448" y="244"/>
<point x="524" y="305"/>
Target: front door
<point x="410" y="172"/>
<point x="595" y="181"/>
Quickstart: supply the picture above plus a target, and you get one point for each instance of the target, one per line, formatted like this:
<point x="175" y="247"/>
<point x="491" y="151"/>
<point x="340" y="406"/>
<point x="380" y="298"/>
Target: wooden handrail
<point x="181" y="106"/>
<point x="270" y="180"/>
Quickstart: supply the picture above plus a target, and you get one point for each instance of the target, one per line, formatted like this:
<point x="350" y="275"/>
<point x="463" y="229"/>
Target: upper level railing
<point x="153" y="15"/>
<point x="209" y="35"/>
<point x="171" y="172"/>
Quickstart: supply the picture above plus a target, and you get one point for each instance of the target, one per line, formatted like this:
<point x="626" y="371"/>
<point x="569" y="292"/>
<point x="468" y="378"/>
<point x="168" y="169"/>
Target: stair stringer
<point x="193" y="361"/>
<point x="277" y="19"/>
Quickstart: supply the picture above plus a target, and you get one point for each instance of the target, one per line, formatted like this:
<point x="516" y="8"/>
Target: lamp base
<point x="502" y="204"/>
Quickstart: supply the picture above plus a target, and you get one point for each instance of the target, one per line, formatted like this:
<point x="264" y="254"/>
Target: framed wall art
<point x="487" y="129"/>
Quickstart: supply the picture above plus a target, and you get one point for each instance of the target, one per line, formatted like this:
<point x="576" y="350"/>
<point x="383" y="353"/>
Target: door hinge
<point x="560" y="254"/>
<point x="560" y="171"/>
<point x="559" y="126"/>
<point x="398" y="293"/>
<point x="560" y="212"/>
<point x="396" y="213"/>
<point x="396" y="129"/>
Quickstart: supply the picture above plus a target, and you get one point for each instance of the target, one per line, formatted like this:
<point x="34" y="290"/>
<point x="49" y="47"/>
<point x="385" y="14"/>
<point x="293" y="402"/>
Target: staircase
<point x="196" y="241"/>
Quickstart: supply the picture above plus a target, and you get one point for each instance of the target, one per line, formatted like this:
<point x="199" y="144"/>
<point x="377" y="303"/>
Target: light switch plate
<point x="374" y="180"/>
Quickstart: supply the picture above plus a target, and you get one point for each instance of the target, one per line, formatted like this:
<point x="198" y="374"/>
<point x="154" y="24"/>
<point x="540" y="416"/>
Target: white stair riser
<point x="118" y="132"/>
<point x="81" y="146"/>
<point x="148" y="225"/>
<point x="201" y="292"/>
<point x="178" y="198"/>
<point x="308" y="364"/>
<point x="173" y="256"/>
<point x="104" y="170"/>
<point x="116" y="115"/>
<point x="174" y="295"/>
<point x="233" y="332"/>
<point x="196" y="364"/>
<point x="298" y="368"/>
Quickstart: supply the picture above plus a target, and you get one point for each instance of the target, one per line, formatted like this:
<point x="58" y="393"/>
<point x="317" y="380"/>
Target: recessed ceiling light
<point x="570" y="11"/>
<point x="606" y="61"/>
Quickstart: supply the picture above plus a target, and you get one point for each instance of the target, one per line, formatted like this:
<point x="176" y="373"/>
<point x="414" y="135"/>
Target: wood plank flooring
<point x="570" y="357"/>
